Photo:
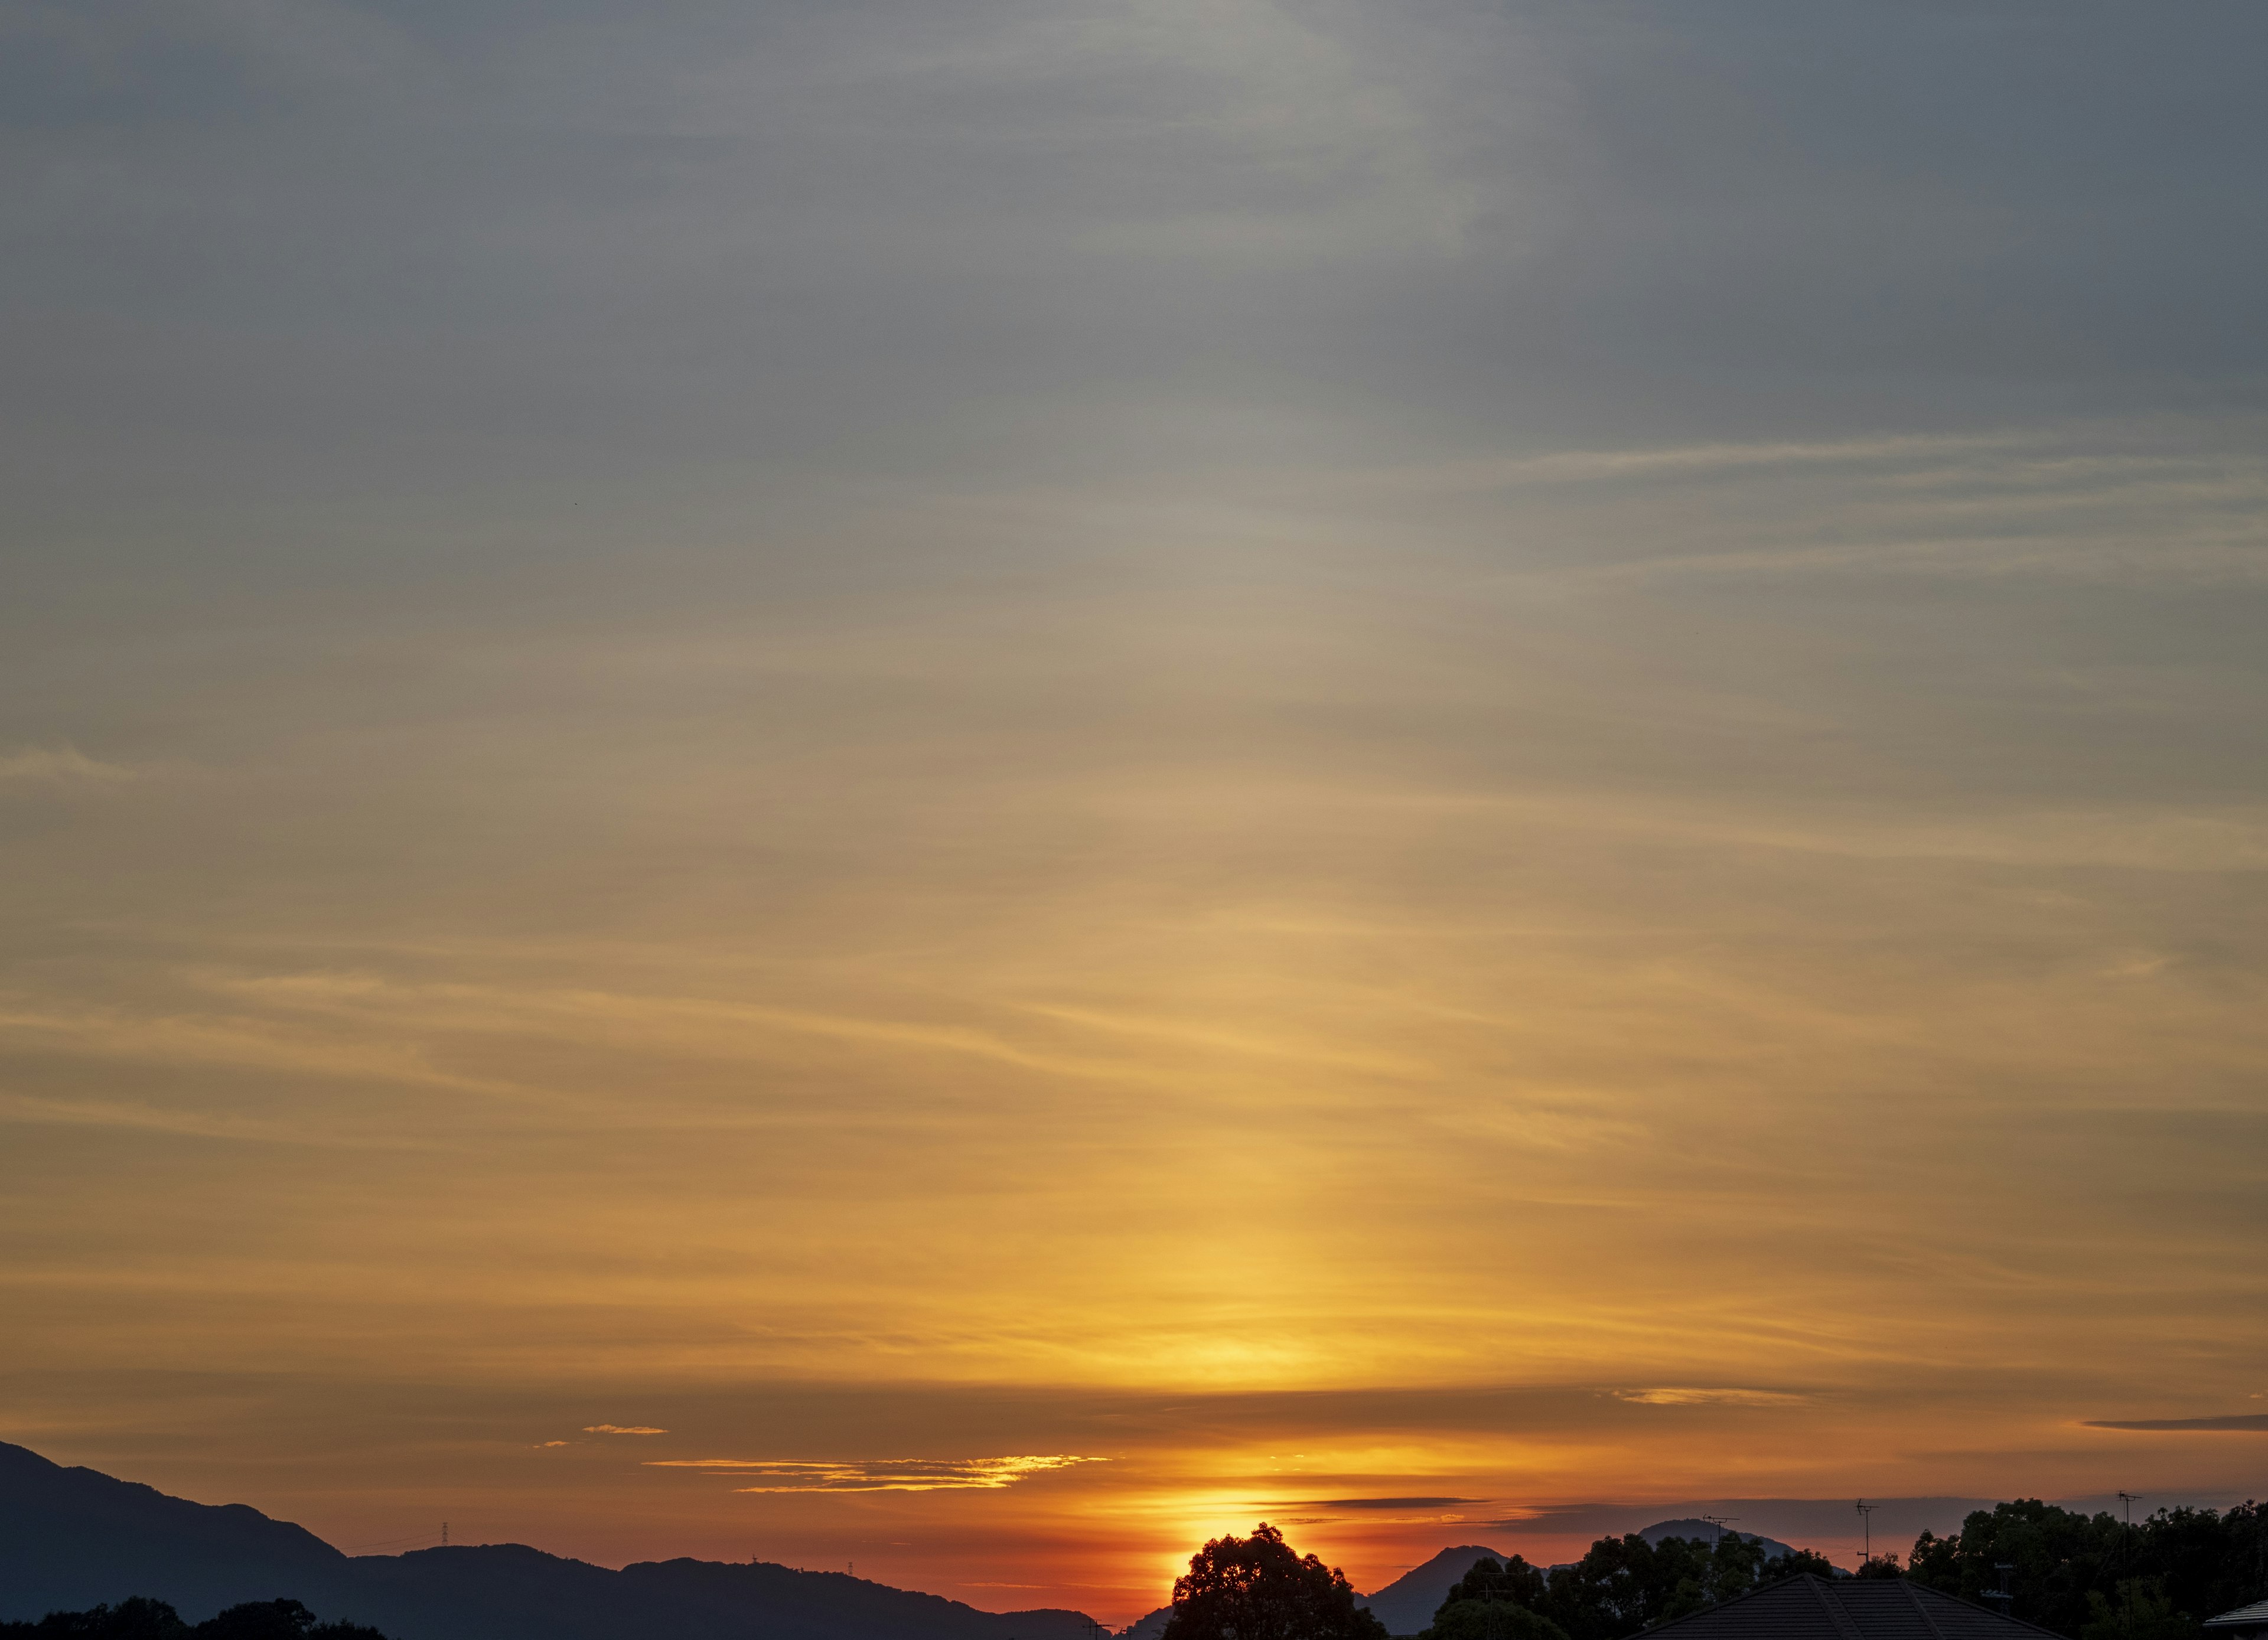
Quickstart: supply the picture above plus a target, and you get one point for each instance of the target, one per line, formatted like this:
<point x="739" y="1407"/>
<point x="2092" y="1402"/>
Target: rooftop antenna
<point x="1720" y="1522"/>
<point x="1867" y="1526"/>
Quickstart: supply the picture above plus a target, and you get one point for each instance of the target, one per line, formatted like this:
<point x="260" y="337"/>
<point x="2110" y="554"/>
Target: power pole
<point x="444" y="1534"/>
<point x="1867" y="1526"/>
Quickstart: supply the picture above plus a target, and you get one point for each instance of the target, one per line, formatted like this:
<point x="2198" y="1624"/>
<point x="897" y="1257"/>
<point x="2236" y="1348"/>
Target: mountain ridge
<point x="72" y="1538"/>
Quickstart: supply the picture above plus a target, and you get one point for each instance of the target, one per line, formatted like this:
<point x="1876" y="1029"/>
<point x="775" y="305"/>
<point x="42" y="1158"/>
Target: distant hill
<point x="74" y="1538"/>
<point x="1408" y="1604"/>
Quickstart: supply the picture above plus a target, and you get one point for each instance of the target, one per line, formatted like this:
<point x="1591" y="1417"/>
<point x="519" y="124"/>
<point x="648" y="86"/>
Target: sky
<point x="975" y="786"/>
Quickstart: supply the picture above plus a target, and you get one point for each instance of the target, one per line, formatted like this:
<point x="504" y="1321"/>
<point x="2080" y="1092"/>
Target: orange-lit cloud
<point x="1699" y="1397"/>
<point x="896" y="1474"/>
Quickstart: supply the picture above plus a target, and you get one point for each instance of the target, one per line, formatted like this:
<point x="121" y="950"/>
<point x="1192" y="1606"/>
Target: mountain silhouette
<point x="1408" y="1604"/>
<point x="71" y="1538"/>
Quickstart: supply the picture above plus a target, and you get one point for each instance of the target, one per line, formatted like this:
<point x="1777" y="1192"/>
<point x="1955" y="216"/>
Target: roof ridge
<point x="1921" y="1608"/>
<point x="1844" y="1624"/>
<point x="1718" y="1607"/>
<point x="1918" y="1590"/>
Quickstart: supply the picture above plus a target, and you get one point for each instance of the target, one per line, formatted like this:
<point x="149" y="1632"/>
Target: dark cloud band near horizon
<point x="2250" y="1422"/>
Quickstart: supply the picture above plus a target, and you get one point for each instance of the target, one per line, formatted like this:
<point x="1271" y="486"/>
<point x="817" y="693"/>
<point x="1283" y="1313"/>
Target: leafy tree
<point x="1514" y="1580"/>
<point x="1625" y="1585"/>
<point x="1261" y="1588"/>
<point x="1492" y="1619"/>
<point x="278" y="1620"/>
<point x="2144" y="1611"/>
<point x="2070" y="1573"/>
<point x="1795" y="1563"/>
<point x="136" y="1619"/>
<point x="2068" y="1569"/>
<point x="1496" y="1601"/>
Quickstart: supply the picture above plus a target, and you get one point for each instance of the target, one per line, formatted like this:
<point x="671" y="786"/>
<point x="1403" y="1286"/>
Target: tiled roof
<point x="1806" y="1608"/>
<point x="2252" y="1616"/>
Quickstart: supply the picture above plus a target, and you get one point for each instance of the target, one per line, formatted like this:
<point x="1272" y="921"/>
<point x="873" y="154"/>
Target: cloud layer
<point x="1457" y="752"/>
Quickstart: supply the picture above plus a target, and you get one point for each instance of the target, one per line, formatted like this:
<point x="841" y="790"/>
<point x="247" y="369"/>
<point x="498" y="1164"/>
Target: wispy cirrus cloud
<point x="1376" y="1511"/>
<point x="1690" y="1395"/>
<point x="63" y="764"/>
<point x="1389" y="1502"/>
<point x="2234" y="1424"/>
<point x="621" y="1428"/>
<point x="887" y="1474"/>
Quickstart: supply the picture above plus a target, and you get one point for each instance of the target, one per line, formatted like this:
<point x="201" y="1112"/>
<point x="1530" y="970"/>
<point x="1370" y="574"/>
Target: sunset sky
<point x="973" y="785"/>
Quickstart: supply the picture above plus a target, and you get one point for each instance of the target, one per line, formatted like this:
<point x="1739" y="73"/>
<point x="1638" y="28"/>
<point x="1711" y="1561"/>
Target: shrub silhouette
<point x="140" y="1618"/>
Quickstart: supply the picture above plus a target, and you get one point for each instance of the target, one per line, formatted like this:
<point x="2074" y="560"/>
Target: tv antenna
<point x="1720" y="1522"/>
<point x="1867" y="1526"/>
<point x="2126" y="1538"/>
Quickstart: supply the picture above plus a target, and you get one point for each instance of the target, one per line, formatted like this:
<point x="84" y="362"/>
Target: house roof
<point x="2252" y="1616"/>
<point x="1806" y="1607"/>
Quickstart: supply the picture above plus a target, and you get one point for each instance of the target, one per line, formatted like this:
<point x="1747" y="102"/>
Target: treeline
<point x="1621" y="1586"/>
<point x="2094" y="1578"/>
<point x="154" y="1619"/>
<point x="2085" y="1576"/>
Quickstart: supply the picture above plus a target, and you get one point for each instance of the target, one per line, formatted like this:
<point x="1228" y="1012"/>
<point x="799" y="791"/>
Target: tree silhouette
<point x="1261" y="1588"/>
<point x="140" y="1618"/>
<point x="1496" y="1601"/>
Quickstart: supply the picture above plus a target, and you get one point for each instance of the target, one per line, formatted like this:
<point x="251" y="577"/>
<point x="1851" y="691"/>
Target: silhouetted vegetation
<point x="2094" y="1578"/>
<point x="1261" y="1588"/>
<point x="154" y="1619"/>
<point x="1621" y="1586"/>
<point x="2086" y="1577"/>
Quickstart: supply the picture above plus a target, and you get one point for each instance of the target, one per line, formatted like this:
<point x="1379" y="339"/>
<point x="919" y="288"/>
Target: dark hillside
<point x="73" y="1538"/>
<point x="67" y="1535"/>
